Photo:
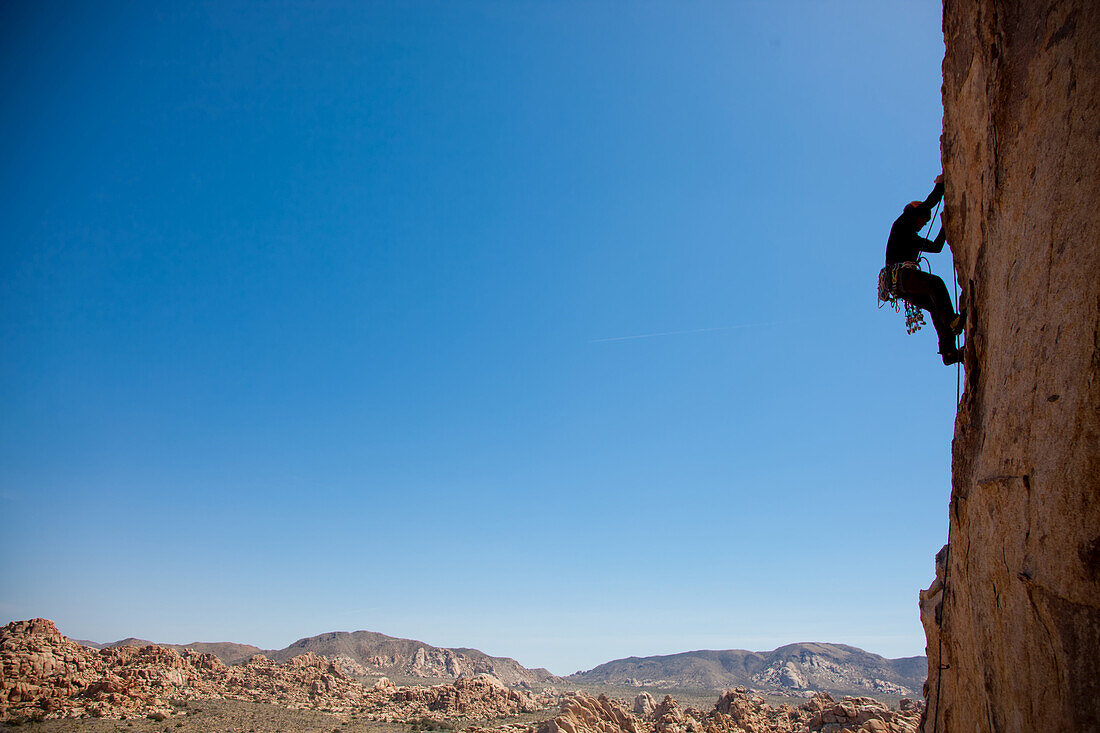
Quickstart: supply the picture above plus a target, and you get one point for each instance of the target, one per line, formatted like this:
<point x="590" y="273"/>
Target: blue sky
<point x="307" y="310"/>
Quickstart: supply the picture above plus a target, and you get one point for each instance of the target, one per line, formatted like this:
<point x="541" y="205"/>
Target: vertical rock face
<point x="1017" y="616"/>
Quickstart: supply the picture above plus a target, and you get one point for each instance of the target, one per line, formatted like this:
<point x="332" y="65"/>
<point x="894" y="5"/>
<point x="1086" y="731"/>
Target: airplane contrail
<point x="675" y="333"/>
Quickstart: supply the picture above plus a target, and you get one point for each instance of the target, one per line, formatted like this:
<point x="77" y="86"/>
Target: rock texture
<point x="1017" y="611"/>
<point x="585" y="714"/>
<point x="796" y="667"/>
<point x="477" y="697"/>
<point x="737" y="711"/>
<point x="644" y="705"/>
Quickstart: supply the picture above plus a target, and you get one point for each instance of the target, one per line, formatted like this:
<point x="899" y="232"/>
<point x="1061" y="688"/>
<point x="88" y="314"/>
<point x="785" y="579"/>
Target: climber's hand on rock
<point x="939" y="178"/>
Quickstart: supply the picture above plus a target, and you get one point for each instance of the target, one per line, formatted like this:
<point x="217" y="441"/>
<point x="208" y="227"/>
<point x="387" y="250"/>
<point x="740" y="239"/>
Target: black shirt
<point x="905" y="243"/>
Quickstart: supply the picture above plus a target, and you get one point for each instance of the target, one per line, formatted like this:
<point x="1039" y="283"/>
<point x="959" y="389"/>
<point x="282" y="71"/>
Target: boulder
<point x="585" y="714"/>
<point x="644" y="705"/>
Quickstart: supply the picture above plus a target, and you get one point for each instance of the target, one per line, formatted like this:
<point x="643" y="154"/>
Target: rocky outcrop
<point x="585" y="714"/>
<point x="859" y="714"/>
<point x="305" y="681"/>
<point x="644" y="705"/>
<point x="479" y="696"/>
<point x="42" y="673"/>
<point x="672" y="718"/>
<point x="737" y="711"/>
<point x="1013" y="621"/>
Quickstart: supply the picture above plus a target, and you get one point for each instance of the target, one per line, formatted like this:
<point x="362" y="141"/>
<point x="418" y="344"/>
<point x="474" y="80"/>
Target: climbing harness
<point x="888" y="293"/>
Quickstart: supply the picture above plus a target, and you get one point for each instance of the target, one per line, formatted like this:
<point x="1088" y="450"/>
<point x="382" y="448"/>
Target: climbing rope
<point x="958" y="309"/>
<point x="933" y="219"/>
<point x="943" y="614"/>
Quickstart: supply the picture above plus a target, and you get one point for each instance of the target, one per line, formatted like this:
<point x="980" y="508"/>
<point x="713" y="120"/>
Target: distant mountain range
<point x="227" y="651"/>
<point x="368" y="653"/>
<point x="793" y="668"/>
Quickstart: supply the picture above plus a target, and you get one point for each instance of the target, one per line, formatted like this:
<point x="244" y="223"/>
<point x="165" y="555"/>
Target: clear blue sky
<point x="306" y="308"/>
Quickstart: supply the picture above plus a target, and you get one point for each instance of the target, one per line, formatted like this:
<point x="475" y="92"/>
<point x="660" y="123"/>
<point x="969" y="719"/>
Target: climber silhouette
<point x="903" y="279"/>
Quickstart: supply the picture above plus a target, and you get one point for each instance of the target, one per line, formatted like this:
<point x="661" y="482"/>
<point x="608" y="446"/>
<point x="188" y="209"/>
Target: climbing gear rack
<point x="888" y="293"/>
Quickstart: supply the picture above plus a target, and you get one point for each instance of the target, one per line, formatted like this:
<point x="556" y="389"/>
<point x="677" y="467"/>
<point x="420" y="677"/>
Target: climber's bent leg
<point x="928" y="292"/>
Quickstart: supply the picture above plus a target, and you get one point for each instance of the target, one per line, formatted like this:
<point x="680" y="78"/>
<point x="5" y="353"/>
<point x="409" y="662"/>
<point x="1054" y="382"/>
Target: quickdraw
<point x="888" y="293"/>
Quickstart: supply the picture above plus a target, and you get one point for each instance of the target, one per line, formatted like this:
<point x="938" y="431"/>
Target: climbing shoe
<point x="953" y="356"/>
<point x="958" y="323"/>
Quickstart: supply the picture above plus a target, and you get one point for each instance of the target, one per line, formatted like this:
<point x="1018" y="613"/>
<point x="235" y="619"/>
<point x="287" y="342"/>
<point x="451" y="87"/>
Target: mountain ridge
<point x="368" y="653"/>
<point x="793" y="668"/>
<point x="802" y="666"/>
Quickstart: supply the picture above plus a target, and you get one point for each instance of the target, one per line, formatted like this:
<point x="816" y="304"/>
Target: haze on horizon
<point x="315" y="320"/>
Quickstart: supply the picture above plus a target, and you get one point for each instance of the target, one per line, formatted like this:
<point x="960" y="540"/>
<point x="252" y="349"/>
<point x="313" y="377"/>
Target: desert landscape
<point x="535" y="326"/>
<point x="49" y="682"/>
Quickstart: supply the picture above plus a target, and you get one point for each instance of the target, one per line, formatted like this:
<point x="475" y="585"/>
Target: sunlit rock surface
<point x="1016" y="608"/>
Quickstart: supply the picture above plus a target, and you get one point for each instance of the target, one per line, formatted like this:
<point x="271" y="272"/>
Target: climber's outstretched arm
<point x="935" y="197"/>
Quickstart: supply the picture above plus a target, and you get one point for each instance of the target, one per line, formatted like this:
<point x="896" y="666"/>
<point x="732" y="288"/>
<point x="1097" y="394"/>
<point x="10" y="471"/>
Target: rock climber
<point x="903" y="279"/>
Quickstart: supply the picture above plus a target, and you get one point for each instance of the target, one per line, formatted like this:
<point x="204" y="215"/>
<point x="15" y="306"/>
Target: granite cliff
<point x="1013" y="617"/>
